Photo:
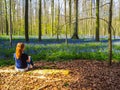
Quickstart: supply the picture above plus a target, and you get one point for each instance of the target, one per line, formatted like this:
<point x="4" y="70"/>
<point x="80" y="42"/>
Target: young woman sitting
<point x="22" y="61"/>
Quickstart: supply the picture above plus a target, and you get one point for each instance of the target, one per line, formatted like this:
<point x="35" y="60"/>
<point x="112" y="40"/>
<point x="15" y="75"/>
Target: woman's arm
<point x="29" y="57"/>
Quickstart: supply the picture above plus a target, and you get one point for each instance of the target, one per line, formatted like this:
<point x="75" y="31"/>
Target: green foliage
<point x="6" y="62"/>
<point x="56" y="52"/>
<point x="66" y="84"/>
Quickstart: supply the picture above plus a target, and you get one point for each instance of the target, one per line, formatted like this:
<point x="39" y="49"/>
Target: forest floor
<point x="67" y="75"/>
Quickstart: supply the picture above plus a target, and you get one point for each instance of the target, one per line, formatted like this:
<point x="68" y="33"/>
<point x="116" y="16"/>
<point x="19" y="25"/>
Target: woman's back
<point x="22" y="61"/>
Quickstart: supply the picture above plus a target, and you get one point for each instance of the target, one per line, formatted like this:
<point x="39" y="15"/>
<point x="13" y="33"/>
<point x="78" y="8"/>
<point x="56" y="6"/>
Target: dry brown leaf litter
<point x="83" y="75"/>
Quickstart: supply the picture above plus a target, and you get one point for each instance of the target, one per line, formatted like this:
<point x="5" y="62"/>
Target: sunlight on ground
<point x="51" y="71"/>
<point x="7" y="71"/>
<point x="43" y="72"/>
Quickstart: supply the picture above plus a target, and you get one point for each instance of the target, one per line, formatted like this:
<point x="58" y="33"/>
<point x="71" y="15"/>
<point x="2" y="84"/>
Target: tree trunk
<point x="31" y="14"/>
<point x="45" y="16"/>
<point x="118" y="9"/>
<point x="40" y="19"/>
<point x="6" y="17"/>
<point x="97" y="20"/>
<point x="13" y="17"/>
<point x="18" y="15"/>
<point x="91" y="28"/>
<point x="70" y="14"/>
<point x="26" y="21"/>
<point x="10" y="26"/>
<point x="110" y="33"/>
<point x="75" y="34"/>
<point x="1" y="21"/>
<point x="66" y="40"/>
<point x="0" y="17"/>
<point x="22" y="16"/>
<point x="58" y="19"/>
<point x="52" y="13"/>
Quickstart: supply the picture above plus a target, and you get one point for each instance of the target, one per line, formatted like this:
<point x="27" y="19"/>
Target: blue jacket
<point x="22" y="62"/>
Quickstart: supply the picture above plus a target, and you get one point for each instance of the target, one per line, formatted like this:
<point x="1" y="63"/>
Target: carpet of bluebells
<point x="57" y="50"/>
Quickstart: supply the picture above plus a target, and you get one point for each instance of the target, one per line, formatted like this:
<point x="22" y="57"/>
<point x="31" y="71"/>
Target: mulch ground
<point x="83" y="75"/>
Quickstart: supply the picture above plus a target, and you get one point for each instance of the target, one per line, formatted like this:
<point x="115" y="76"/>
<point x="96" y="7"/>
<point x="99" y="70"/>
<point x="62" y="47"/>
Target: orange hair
<point x="19" y="50"/>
